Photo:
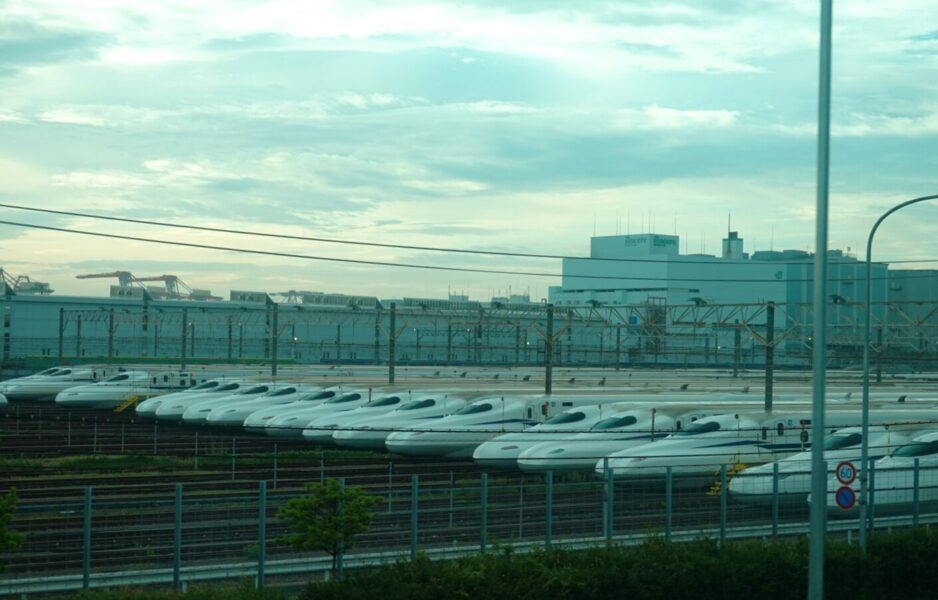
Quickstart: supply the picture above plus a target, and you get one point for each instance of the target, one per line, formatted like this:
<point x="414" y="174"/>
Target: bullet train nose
<point x="497" y="455"/>
<point x="320" y="434"/>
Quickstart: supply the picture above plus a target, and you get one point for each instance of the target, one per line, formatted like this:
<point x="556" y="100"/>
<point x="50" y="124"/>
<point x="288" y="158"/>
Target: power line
<point x="409" y="265"/>
<point x="401" y="246"/>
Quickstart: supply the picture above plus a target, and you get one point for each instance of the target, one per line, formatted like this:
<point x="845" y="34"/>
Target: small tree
<point x="328" y="518"/>
<point x="9" y="539"/>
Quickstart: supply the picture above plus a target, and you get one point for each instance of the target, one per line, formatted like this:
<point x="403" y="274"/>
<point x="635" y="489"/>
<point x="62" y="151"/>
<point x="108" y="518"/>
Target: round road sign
<point x="845" y="498"/>
<point x="846" y="472"/>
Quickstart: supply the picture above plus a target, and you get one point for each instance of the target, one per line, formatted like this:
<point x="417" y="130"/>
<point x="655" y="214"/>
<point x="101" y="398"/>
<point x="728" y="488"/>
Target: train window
<point x="780" y="428"/>
<point x="530" y="413"/>
<point x="701" y="427"/>
<point x="765" y="433"/>
<point x="285" y="391"/>
<point x="614" y="422"/>
<point x="418" y="404"/>
<point x="165" y="378"/>
<point x="918" y="449"/>
<point x="386" y="401"/>
<point x="566" y="417"/>
<point x="474" y="409"/>
<point x="258" y="389"/>
<point x="345" y="398"/>
<point x="836" y="442"/>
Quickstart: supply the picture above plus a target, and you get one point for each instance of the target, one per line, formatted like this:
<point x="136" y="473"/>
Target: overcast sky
<point x="522" y="126"/>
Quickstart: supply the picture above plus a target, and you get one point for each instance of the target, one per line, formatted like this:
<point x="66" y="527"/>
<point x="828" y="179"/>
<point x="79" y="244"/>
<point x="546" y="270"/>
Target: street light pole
<point x="818" y="469"/>
<point x="867" y="328"/>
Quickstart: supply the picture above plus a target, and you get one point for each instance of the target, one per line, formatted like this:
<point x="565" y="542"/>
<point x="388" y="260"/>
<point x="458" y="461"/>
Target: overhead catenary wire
<point x="470" y="251"/>
<point x="379" y="263"/>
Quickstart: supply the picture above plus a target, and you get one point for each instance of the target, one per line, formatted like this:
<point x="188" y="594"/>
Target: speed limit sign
<point x="846" y="473"/>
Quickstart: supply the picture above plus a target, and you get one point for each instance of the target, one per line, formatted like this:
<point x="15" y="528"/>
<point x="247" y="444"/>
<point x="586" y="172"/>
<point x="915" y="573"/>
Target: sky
<point x="523" y="126"/>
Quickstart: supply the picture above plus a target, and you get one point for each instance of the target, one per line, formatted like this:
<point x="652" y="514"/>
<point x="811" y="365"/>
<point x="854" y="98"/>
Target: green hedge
<point x="901" y="565"/>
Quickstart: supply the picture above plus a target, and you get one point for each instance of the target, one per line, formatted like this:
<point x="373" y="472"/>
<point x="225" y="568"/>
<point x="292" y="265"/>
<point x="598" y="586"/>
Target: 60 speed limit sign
<point x="846" y="473"/>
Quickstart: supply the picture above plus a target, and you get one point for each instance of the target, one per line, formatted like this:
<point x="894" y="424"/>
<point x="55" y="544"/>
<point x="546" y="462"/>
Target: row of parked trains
<point x="639" y="436"/>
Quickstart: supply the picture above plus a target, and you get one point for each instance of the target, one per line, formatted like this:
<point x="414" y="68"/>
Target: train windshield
<point x="48" y="371"/>
<point x="258" y="389"/>
<point x="284" y="392"/>
<point x="389" y="401"/>
<point x="838" y="442"/>
<point x="319" y="396"/>
<point x="229" y="387"/>
<point x="615" y="422"/>
<point x="206" y="386"/>
<point x="62" y="372"/>
<point x="418" y="404"/>
<point x="567" y="417"/>
<point x="918" y="449"/>
<point x="473" y="409"/>
<point x="345" y="398"/>
<point x="123" y="377"/>
<point x="698" y="428"/>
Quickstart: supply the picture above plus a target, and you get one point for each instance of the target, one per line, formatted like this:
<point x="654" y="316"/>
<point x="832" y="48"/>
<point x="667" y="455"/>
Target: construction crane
<point x="175" y="288"/>
<point x="124" y="278"/>
<point x="174" y="284"/>
<point x="292" y="296"/>
<point x="22" y="284"/>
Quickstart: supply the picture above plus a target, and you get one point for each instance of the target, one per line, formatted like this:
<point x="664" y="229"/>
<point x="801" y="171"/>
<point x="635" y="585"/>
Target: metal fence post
<point x="261" y="531"/>
<point x="177" y="538"/>
<point x="68" y="435"/>
<point x="156" y="425"/>
<point x="549" y="507"/>
<point x="610" y="500"/>
<point x="871" y="513"/>
<point x="668" y="491"/>
<point x="390" y="482"/>
<point x="340" y="555"/>
<point x="275" y="466"/>
<point x="775" y="499"/>
<point x="86" y="542"/>
<point x="451" y="484"/>
<point x="123" y="435"/>
<point x="722" y="503"/>
<point x="484" y="517"/>
<point x="414" y="499"/>
<point x="915" y="480"/>
<point x="233" y="451"/>
<point x="94" y="438"/>
<point x="196" y="452"/>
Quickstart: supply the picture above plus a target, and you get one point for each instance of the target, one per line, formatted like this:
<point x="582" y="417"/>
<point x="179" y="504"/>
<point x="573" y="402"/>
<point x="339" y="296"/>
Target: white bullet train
<point x="291" y="424"/>
<point x="172" y="406"/>
<point x="888" y="431"/>
<point x="459" y="434"/>
<point x="320" y="429"/>
<point x="257" y="421"/>
<point x="371" y="433"/>
<point x="46" y="384"/>
<point x="501" y="452"/>
<point x="117" y="389"/>
<point x="148" y="407"/>
<point x="628" y="427"/>
<point x="234" y="415"/>
<point x="893" y="479"/>
<point x="728" y="439"/>
<point x="198" y="412"/>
